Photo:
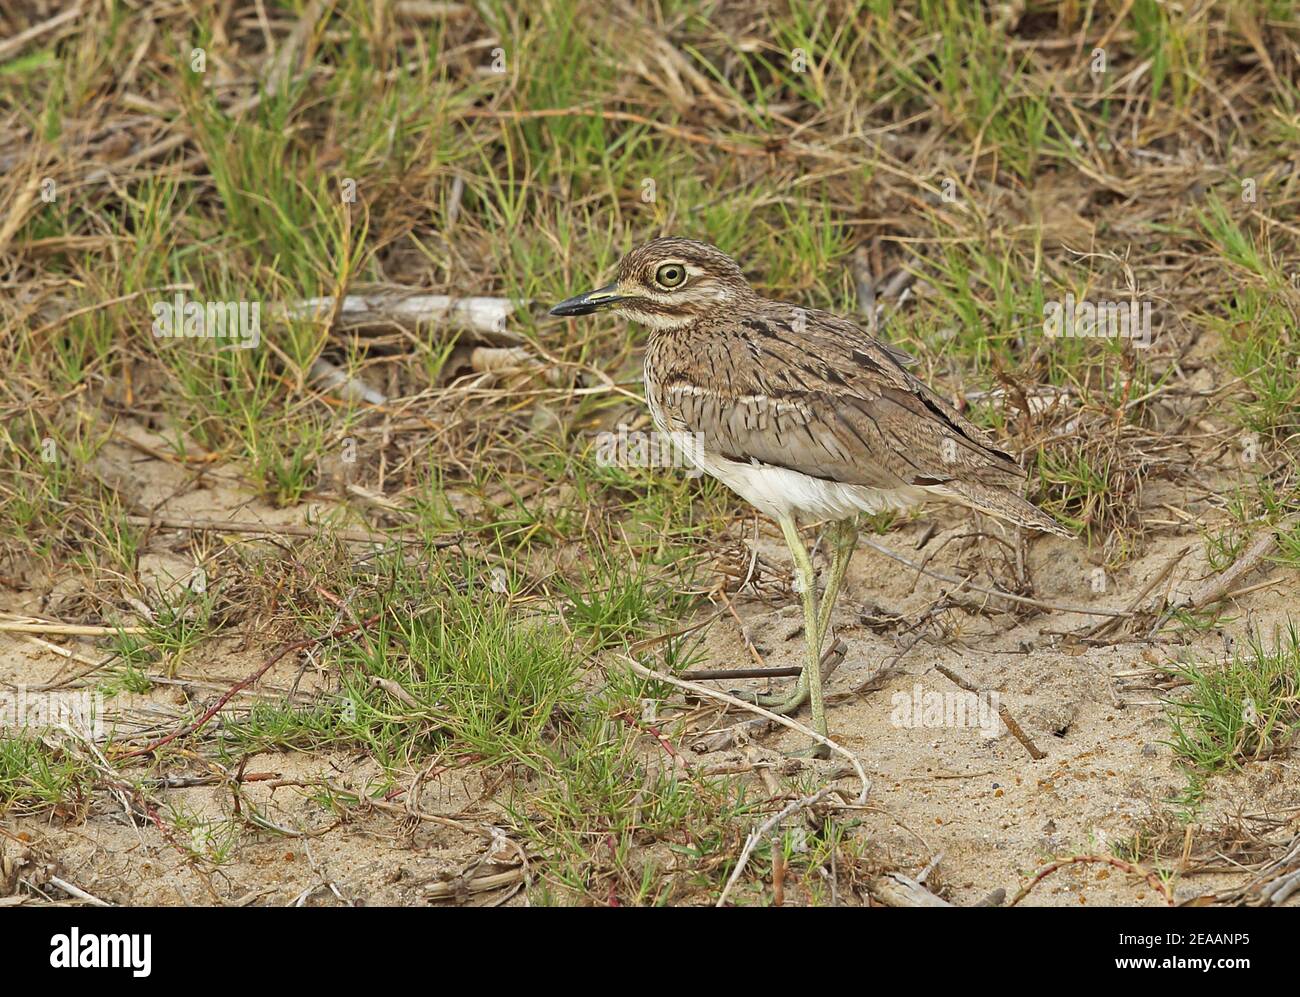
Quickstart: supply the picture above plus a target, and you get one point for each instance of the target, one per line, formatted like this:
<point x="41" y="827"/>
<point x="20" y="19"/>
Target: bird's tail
<point x="1001" y="504"/>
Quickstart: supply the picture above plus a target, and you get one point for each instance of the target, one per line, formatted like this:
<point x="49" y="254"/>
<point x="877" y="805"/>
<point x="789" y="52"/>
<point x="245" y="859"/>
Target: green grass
<point x="183" y="620"/>
<point x="1242" y="711"/>
<point x="793" y="135"/>
<point x="1264" y="504"/>
<point x="465" y="671"/>
<point x="36" y="777"/>
<point x="616" y="825"/>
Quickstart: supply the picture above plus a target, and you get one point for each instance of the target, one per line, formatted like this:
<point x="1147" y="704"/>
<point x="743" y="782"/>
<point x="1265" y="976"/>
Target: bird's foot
<point x="815" y="750"/>
<point x="784" y="704"/>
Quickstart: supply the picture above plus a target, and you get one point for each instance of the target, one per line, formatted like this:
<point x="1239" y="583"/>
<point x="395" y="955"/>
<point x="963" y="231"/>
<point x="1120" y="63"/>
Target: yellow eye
<point x="670" y="275"/>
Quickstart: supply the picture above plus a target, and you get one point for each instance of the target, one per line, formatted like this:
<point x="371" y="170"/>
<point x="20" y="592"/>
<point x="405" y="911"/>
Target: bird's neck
<point x="684" y="322"/>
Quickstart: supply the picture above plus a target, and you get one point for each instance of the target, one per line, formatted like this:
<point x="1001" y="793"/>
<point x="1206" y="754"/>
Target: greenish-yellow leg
<point x="811" y="677"/>
<point x="844" y="536"/>
<point x="817" y="618"/>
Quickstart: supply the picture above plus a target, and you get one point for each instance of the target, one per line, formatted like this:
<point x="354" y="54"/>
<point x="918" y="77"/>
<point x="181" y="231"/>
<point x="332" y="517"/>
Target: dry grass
<point x="516" y="152"/>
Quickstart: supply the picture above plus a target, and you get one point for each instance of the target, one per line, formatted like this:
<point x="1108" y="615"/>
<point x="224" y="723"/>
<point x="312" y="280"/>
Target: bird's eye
<point x="670" y="275"/>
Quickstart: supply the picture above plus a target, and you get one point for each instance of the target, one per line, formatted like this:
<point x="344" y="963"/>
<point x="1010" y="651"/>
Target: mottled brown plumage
<point x="762" y="382"/>
<point x="800" y="412"/>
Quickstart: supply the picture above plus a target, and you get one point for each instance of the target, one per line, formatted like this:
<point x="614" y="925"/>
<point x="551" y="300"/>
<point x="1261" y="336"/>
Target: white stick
<point x="477" y="314"/>
<point x="707" y="693"/>
<point x="757" y="835"/>
<point x="78" y="892"/>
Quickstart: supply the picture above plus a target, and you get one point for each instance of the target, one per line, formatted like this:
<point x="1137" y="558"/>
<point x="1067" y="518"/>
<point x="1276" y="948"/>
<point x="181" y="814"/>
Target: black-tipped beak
<point x="592" y="301"/>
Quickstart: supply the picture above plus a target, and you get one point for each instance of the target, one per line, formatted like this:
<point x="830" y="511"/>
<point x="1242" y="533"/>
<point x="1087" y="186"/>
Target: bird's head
<point x="666" y="283"/>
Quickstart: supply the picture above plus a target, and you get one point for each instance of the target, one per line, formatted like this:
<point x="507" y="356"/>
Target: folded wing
<point x="832" y="403"/>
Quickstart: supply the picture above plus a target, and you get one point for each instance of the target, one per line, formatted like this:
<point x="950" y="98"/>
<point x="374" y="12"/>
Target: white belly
<point x="780" y="492"/>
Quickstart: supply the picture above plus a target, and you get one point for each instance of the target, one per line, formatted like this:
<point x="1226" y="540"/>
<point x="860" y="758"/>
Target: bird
<point x="803" y="414"/>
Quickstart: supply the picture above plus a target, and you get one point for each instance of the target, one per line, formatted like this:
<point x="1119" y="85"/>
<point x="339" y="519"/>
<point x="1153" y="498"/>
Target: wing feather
<point x="829" y="401"/>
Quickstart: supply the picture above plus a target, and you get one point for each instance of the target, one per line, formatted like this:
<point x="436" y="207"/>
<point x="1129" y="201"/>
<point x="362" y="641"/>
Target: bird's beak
<point x="592" y="301"/>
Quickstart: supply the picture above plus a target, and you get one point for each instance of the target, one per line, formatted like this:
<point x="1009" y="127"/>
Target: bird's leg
<point x="810" y="680"/>
<point x="791" y="701"/>
<point x="844" y="537"/>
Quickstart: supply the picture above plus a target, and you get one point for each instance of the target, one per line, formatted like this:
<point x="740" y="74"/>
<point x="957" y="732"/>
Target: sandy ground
<point x="995" y="813"/>
<point x="938" y="786"/>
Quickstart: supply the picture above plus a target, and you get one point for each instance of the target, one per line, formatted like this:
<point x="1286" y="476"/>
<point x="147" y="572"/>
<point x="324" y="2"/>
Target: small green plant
<point x="35" y="776"/>
<point x="182" y="621"/>
<point x="207" y="840"/>
<point x="619" y="599"/>
<point x="1241" y="711"/>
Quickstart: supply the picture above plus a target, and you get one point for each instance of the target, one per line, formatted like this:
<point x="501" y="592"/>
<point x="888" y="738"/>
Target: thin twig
<point x="707" y="693"/>
<point x="67" y="629"/>
<point x="78" y="892"/>
<point x="1035" y="752"/>
<point x="760" y="832"/>
<point x="1156" y="579"/>
<point x="1128" y="867"/>
<point x="15" y="44"/>
<point x="1217" y="587"/>
<point x="235" y="689"/>
<point x="707" y="674"/>
<point x="280" y="529"/>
